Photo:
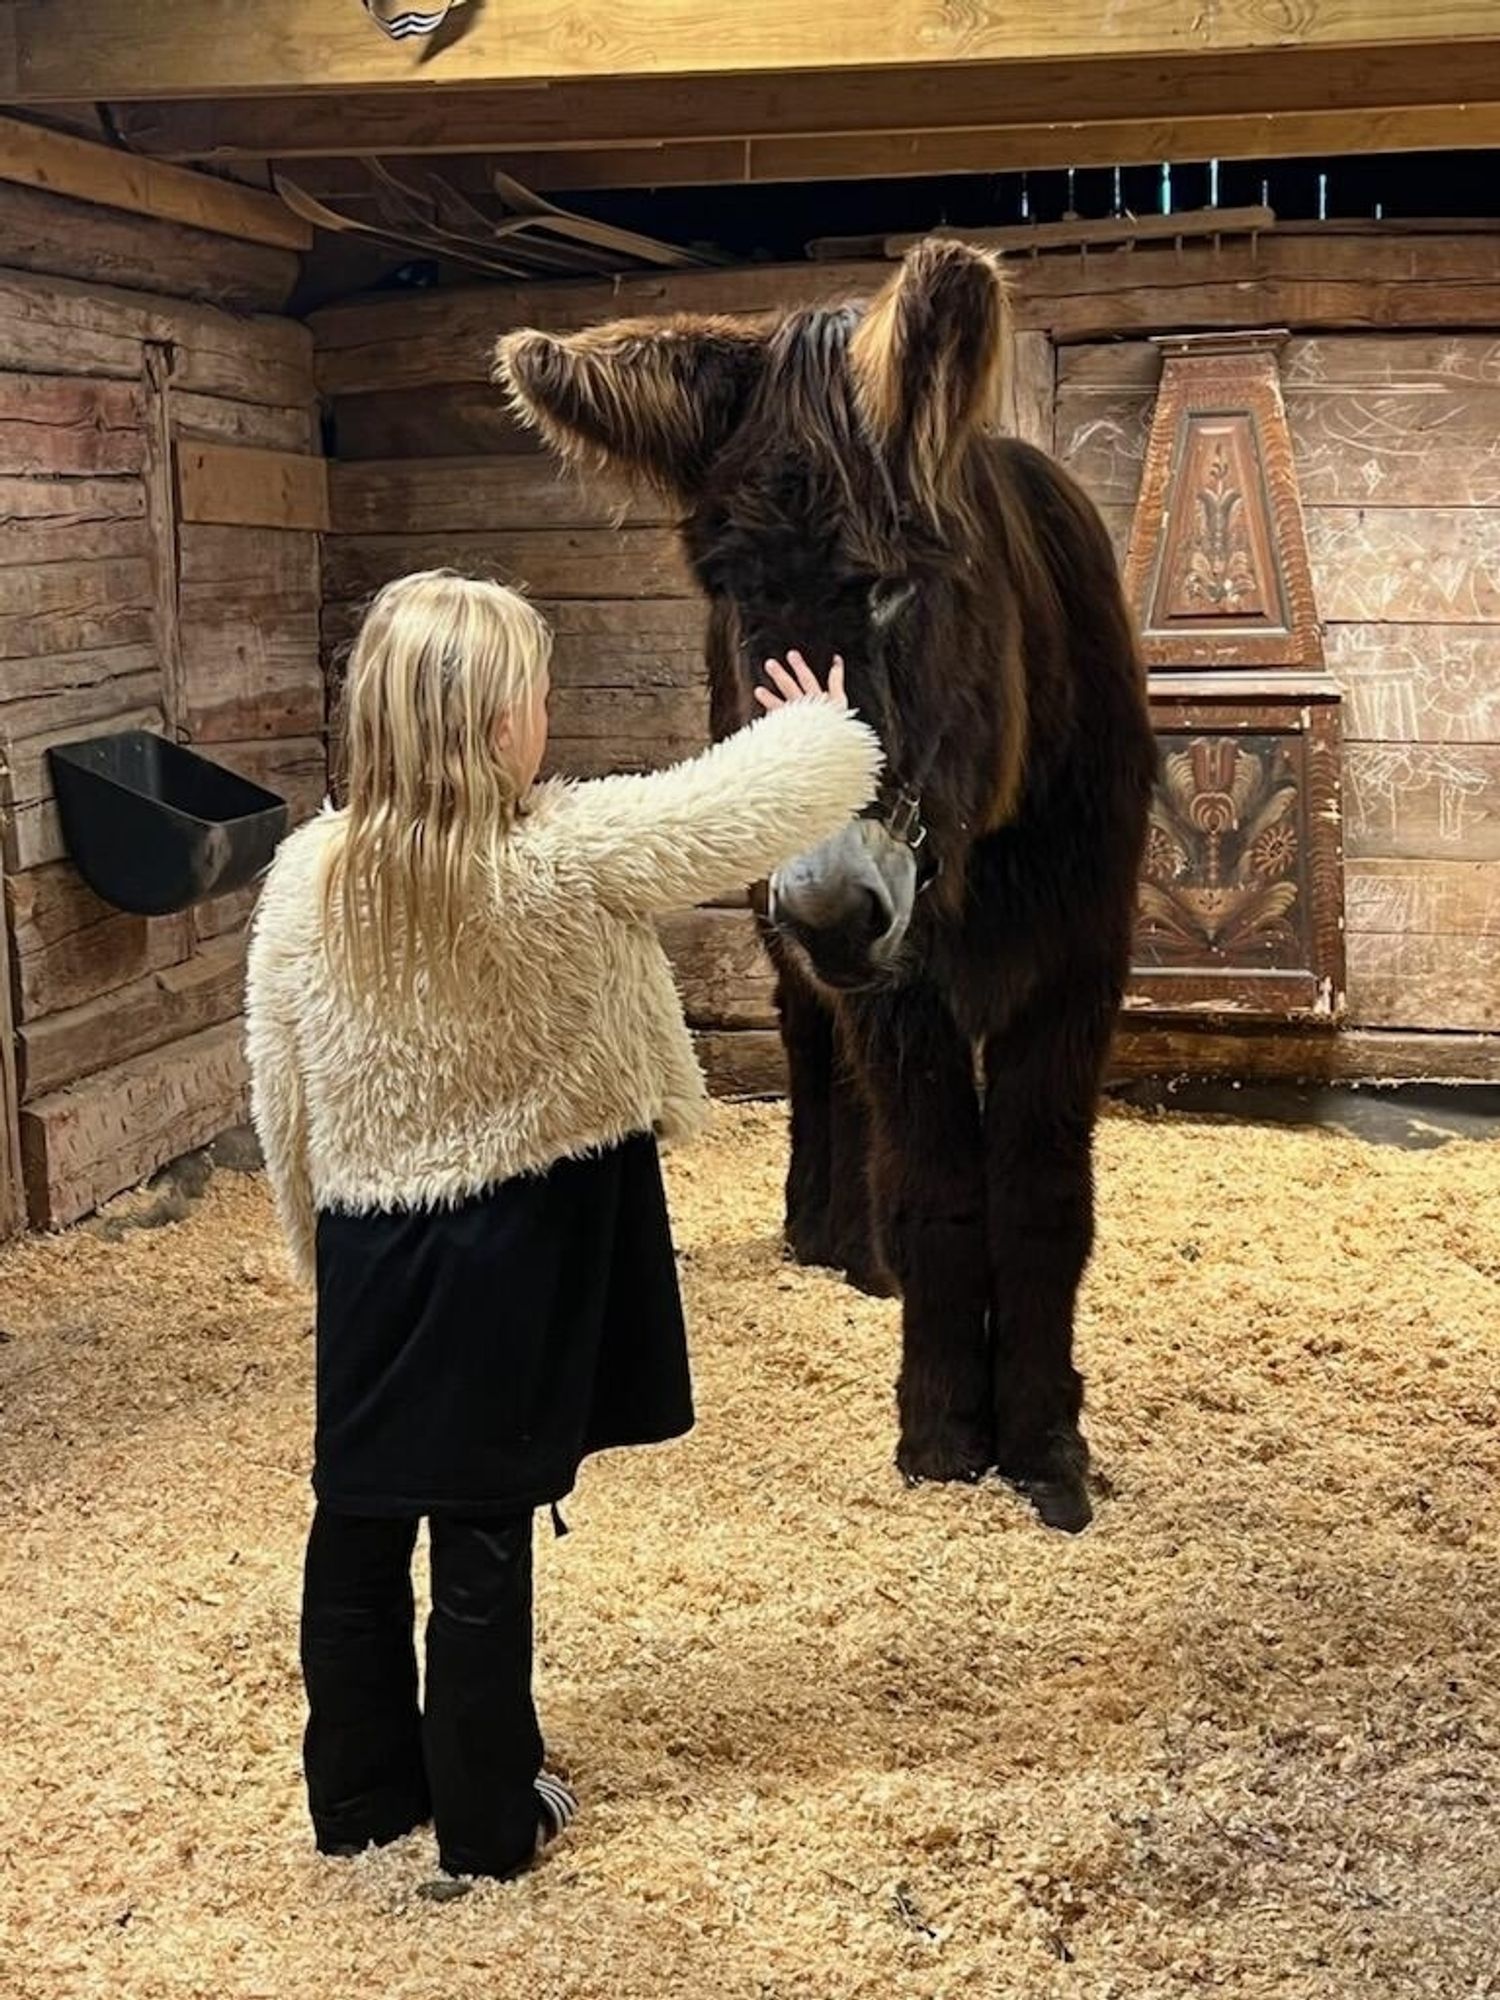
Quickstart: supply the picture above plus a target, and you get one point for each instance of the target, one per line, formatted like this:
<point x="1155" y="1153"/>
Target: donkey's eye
<point x="889" y="598"/>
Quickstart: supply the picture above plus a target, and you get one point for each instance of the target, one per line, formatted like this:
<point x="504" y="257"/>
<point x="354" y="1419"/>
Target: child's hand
<point x="801" y="684"/>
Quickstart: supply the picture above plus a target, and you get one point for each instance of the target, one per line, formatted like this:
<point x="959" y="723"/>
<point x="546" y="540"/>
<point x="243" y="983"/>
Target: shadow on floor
<point x="1413" y="1116"/>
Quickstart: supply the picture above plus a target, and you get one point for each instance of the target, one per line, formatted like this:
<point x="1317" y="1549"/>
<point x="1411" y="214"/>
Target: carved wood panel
<point x="1241" y="899"/>
<point x="1217" y="568"/>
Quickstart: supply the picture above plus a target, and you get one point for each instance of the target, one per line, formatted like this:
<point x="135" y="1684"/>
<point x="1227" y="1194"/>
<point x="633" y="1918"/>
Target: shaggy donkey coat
<point x="946" y="1007"/>
<point x="570" y="1035"/>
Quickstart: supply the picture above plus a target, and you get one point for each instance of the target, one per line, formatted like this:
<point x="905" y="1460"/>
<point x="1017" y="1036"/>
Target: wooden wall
<point x="1397" y="444"/>
<point x="1396" y="440"/>
<point x="135" y="430"/>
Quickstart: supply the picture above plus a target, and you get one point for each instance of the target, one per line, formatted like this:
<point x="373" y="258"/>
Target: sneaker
<point x="559" y="1807"/>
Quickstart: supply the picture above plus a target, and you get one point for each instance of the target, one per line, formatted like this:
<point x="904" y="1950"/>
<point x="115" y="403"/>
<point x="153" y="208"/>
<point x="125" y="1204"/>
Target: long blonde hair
<point x="441" y="660"/>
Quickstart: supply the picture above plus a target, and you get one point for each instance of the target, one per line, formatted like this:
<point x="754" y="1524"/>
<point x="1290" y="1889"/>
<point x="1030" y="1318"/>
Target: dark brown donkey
<point x="949" y="967"/>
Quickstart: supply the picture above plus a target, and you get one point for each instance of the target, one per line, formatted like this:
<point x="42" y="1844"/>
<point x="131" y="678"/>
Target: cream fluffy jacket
<point x="570" y="1033"/>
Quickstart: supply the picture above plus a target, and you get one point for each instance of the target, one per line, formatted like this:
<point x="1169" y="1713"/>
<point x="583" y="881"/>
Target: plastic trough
<point x="153" y="828"/>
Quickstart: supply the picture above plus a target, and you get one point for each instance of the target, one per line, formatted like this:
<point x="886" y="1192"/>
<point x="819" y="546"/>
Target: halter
<point x="898" y="810"/>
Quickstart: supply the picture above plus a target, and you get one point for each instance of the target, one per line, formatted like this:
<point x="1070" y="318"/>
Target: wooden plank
<point x="721" y="968"/>
<point x="1417" y="683"/>
<point x="458" y="420"/>
<point x="1027" y="238"/>
<point x="419" y="340"/>
<point x="507" y="491"/>
<point x="75" y="607"/>
<point x="34" y="693"/>
<point x="295" y="768"/>
<point x="622" y="644"/>
<point x="600" y="757"/>
<point x="1398" y="565"/>
<point x="1424" y="982"/>
<point x="742" y="1062"/>
<point x="57" y="520"/>
<point x="58" y="326"/>
<point x="248" y="624"/>
<point x="1114" y="365"/>
<point x="161" y="518"/>
<point x="98" y="959"/>
<point x="1351" y="1056"/>
<point x="628" y="643"/>
<point x="1114" y="142"/>
<point x="1410" y="361"/>
<point x="250" y="486"/>
<point x="87" y="1142"/>
<point x="1319" y="252"/>
<point x="1397" y="448"/>
<point x="258" y="359"/>
<point x="674" y="720"/>
<point x="72" y="239"/>
<point x="165" y="1006"/>
<point x="63" y="164"/>
<point x="222" y="915"/>
<point x="1423" y="898"/>
<point x="294" y="428"/>
<point x="1422" y="801"/>
<point x="1101" y="438"/>
<point x="1030" y="390"/>
<point x="1309" y="303"/>
<point x="250" y="671"/>
<point x="555" y="562"/>
<point x="273" y="564"/>
<point x="646" y="111"/>
<point x="63" y="424"/>
<point x="71" y="703"/>
<point x="87" y="49"/>
<point x="47" y="905"/>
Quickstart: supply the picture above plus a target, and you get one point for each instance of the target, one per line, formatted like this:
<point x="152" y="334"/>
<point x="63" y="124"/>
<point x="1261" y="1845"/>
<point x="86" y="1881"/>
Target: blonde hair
<point x="440" y="661"/>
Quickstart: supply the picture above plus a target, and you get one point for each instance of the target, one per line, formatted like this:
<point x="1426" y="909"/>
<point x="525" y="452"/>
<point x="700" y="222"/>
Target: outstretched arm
<point x="725" y="818"/>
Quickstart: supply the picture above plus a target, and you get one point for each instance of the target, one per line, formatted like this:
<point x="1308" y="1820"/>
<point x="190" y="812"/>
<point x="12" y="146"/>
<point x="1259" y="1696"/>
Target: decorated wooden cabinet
<point x="1241" y="909"/>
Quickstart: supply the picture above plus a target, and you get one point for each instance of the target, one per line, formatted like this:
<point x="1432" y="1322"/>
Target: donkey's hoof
<point x="1060" y="1503"/>
<point x="872" y="1280"/>
<point x="1055" y="1480"/>
<point x="956" y="1454"/>
<point x="808" y="1246"/>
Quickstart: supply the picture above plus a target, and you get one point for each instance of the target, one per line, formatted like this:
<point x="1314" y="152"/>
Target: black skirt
<point x="470" y="1358"/>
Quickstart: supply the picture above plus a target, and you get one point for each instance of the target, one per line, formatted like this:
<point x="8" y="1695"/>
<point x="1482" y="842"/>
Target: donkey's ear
<point x="657" y="398"/>
<point x="926" y="362"/>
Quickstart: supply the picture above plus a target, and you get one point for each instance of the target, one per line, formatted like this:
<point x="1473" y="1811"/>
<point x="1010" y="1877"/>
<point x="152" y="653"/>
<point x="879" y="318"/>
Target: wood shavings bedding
<point x="833" y="1738"/>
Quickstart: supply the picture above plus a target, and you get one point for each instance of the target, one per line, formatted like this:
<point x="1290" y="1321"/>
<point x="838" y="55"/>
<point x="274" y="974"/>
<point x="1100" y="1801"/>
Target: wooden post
<point x="12" y="1196"/>
<point x="161" y="521"/>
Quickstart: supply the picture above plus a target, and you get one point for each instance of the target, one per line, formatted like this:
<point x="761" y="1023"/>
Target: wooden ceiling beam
<point x="99" y="50"/>
<point x="1011" y="149"/>
<point x="931" y="97"/>
<point x="61" y="163"/>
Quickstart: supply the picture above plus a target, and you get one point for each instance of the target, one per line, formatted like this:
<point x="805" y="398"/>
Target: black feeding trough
<point x="153" y="828"/>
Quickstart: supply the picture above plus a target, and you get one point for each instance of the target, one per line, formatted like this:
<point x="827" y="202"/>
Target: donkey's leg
<point x="807" y="1036"/>
<point x="928" y="1184"/>
<point x="853" y="1224"/>
<point x="1042" y="1076"/>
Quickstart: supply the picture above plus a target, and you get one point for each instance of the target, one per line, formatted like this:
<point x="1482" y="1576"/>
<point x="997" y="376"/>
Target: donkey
<point x="951" y="965"/>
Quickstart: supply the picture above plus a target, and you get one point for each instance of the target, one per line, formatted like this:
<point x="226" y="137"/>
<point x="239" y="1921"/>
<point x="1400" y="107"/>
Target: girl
<point x="464" y="1043"/>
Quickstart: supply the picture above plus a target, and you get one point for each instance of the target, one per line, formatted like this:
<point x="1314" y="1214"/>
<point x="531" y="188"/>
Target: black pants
<point x="376" y="1764"/>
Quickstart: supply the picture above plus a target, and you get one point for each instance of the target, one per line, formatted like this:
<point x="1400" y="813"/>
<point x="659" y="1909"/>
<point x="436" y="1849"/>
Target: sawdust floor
<point x="834" y="1739"/>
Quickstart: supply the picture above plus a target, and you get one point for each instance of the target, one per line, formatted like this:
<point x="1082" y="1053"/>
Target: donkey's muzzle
<point x="847" y="903"/>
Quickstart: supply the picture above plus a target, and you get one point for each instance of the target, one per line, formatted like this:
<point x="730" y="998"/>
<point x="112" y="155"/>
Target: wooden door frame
<point x="12" y="1186"/>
